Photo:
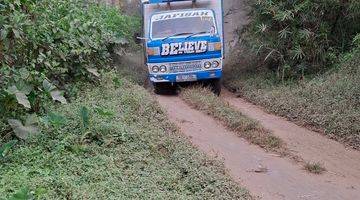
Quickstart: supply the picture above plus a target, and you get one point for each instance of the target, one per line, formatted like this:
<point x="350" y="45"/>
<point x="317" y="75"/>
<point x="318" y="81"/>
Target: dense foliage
<point x="297" y="37"/>
<point x="45" y="46"/>
<point x="112" y="142"/>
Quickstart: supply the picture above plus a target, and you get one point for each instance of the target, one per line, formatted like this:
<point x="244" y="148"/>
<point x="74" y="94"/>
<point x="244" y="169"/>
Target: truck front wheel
<point x="215" y="85"/>
<point x="164" y="88"/>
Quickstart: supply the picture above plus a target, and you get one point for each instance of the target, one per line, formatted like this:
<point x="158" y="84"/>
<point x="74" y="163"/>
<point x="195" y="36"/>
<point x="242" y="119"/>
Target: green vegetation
<point x="300" y="59"/>
<point x="204" y="100"/>
<point x="112" y="142"/>
<point x="302" y="36"/>
<point x="106" y="138"/>
<point x="329" y="102"/>
<point x="315" y="168"/>
<point x="45" y="47"/>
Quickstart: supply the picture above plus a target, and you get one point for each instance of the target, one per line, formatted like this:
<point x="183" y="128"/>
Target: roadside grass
<point x="121" y="146"/>
<point x="204" y="100"/>
<point x="315" y="168"/>
<point x="328" y="103"/>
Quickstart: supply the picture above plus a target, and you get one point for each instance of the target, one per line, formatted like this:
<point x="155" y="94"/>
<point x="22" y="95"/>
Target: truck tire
<point x="164" y="88"/>
<point x="215" y="85"/>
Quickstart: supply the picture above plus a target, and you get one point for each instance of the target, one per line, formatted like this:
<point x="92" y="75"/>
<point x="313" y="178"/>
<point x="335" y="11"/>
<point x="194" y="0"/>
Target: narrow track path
<point x="283" y="179"/>
<point x="311" y="146"/>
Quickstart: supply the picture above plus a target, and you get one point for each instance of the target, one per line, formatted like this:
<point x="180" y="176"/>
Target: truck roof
<point x="163" y="1"/>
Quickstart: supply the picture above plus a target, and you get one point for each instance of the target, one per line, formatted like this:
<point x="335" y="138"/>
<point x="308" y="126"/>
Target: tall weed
<point x="301" y="36"/>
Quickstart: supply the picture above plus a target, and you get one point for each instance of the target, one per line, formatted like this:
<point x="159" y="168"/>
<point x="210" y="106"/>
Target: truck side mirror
<point x="136" y="38"/>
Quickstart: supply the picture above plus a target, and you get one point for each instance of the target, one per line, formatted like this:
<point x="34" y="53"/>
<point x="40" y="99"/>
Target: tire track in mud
<point x="282" y="179"/>
<point x="309" y="145"/>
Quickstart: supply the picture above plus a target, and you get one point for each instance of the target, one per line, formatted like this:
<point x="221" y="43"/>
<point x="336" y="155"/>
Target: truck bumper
<point x="193" y="76"/>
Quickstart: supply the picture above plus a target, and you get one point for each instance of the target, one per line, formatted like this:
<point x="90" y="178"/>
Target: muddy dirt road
<point x="283" y="179"/>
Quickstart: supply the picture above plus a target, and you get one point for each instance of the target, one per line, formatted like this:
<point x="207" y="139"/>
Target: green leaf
<point x="12" y="90"/>
<point x="104" y="113"/>
<point x="3" y="34"/>
<point x="58" y="95"/>
<point x="4" y="150"/>
<point x="22" y="99"/>
<point x="48" y="87"/>
<point x="54" y="119"/>
<point x="24" y="73"/>
<point x="39" y="192"/>
<point x="117" y="82"/>
<point x="93" y="71"/>
<point x="31" y="120"/>
<point x="23" y="194"/>
<point x="85" y="116"/>
<point x="16" y="33"/>
<point x="21" y="131"/>
<point x="356" y="40"/>
<point x="298" y="53"/>
<point x="262" y="28"/>
<point x="284" y="33"/>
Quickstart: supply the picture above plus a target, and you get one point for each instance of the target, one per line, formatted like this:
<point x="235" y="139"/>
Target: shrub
<point x="302" y="36"/>
<point x="128" y="150"/>
<point x="46" y="45"/>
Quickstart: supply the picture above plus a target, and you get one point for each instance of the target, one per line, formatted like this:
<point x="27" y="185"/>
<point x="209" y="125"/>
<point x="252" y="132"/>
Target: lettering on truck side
<point x="184" y="48"/>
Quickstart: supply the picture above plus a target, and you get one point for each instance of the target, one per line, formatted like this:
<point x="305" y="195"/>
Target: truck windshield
<point x="166" y="25"/>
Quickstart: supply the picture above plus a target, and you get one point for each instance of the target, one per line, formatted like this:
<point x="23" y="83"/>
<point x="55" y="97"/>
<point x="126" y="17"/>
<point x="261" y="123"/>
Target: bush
<point x="47" y="45"/>
<point x="127" y="150"/>
<point x="302" y="36"/>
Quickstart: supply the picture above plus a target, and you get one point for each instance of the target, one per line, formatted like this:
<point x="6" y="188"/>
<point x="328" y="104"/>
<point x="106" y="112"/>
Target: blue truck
<point x="183" y="42"/>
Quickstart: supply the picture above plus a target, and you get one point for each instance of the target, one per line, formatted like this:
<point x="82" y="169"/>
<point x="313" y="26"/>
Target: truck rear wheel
<point x="164" y="88"/>
<point x="215" y="86"/>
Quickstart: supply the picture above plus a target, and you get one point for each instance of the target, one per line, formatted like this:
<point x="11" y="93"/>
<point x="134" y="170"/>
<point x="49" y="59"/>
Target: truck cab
<point x="183" y="41"/>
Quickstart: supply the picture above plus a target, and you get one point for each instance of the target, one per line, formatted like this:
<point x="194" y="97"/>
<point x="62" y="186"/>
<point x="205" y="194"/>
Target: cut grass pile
<point x="204" y="100"/>
<point x="329" y="102"/>
<point x="126" y="150"/>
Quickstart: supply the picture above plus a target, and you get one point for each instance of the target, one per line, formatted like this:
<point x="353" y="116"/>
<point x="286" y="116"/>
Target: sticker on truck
<point x="184" y="48"/>
<point x="183" y="14"/>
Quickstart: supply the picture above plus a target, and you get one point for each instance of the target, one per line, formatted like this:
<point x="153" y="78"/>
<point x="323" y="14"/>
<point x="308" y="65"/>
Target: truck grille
<point x="185" y="67"/>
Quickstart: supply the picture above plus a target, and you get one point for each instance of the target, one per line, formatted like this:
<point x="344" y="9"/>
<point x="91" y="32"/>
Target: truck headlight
<point x="215" y="46"/>
<point x="155" y="69"/>
<point x="153" y="51"/>
<point x="215" y="64"/>
<point x="207" y="65"/>
<point x="163" y="68"/>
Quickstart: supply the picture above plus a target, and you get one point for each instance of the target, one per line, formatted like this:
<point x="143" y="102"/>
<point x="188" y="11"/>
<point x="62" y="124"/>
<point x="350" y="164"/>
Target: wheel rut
<point x="309" y="145"/>
<point x="281" y="179"/>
